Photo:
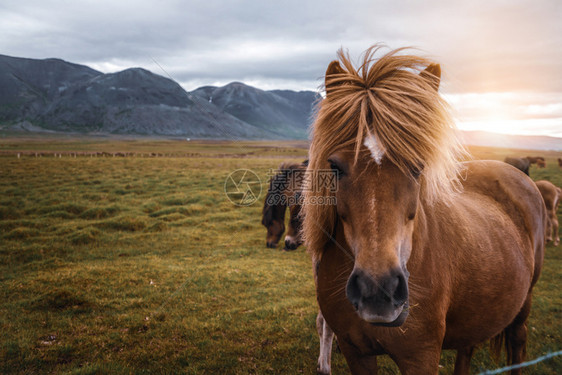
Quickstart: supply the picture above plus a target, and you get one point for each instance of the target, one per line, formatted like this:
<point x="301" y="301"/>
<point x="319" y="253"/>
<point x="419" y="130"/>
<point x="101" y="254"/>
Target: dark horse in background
<point x="420" y="251"/>
<point x="284" y="192"/>
<point x="523" y="164"/>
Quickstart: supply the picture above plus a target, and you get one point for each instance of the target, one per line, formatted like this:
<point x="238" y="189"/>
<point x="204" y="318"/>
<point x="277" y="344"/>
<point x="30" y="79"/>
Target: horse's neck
<point x="435" y="224"/>
<point x="420" y="238"/>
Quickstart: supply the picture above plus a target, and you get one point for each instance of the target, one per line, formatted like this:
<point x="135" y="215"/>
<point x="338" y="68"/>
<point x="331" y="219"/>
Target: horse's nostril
<point x="353" y="290"/>
<point x="401" y="292"/>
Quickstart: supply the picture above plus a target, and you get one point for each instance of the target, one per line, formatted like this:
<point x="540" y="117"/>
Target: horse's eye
<point x="416" y="172"/>
<point x="336" y="168"/>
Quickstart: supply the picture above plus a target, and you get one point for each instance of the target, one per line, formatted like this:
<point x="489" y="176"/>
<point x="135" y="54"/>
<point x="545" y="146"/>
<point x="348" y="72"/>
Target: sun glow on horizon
<point x="508" y="113"/>
<point x="528" y="127"/>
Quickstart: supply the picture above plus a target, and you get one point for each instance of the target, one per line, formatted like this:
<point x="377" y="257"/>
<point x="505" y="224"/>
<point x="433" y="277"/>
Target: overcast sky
<point x="502" y="60"/>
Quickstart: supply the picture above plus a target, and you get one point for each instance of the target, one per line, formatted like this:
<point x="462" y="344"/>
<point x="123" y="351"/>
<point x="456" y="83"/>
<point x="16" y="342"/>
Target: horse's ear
<point x="433" y="74"/>
<point x="333" y="70"/>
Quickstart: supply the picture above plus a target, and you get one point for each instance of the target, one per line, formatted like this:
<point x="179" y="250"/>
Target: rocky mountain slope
<point x="27" y="86"/>
<point x="286" y="113"/>
<point x="54" y="95"/>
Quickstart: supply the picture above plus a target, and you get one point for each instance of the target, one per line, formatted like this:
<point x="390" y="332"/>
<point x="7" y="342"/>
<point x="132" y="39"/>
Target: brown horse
<point x="560" y="162"/>
<point x="284" y="192"/>
<point x="522" y="164"/>
<point x="420" y="251"/>
<point x="551" y="195"/>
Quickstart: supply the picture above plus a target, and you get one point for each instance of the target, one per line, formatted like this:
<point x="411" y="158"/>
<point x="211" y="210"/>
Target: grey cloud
<point x="486" y="47"/>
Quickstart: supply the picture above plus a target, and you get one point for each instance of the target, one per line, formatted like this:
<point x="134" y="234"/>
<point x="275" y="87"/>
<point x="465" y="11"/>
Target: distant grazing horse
<point x="560" y="162"/>
<point x="534" y="159"/>
<point x="541" y="164"/>
<point x="538" y="160"/>
<point x="551" y="195"/>
<point x="522" y="164"/>
<point x="284" y="192"/>
<point x="420" y="252"/>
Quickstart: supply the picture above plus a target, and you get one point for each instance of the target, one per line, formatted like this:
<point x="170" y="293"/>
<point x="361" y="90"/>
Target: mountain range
<point x="53" y="95"/>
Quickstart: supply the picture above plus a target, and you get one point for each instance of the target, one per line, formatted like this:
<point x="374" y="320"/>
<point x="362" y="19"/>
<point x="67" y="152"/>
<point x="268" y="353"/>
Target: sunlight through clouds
<point x="509" y="113"/>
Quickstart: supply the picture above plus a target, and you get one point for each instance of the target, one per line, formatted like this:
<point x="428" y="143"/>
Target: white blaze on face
<point x="377" y="150"/>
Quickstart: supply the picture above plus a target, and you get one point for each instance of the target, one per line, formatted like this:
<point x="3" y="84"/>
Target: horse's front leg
<point x="326" y="336"/>
<point x="462" y="364"/>
<point x="358" y="364"/>
<point x="424" y="361"/>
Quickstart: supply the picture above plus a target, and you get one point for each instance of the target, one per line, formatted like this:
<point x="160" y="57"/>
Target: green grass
<point x="142" y="265"/>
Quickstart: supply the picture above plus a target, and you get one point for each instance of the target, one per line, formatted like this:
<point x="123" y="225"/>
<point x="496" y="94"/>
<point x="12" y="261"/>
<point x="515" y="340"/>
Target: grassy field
<point x="142" y="265"/>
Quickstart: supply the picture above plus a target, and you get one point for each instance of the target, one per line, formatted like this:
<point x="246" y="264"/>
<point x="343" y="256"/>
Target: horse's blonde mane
<point x="394" y="101"/>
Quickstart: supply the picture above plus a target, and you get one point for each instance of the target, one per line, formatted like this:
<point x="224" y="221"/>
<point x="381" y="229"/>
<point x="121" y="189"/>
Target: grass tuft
<point x="9" y="213"/>
<point x="123" y="223"/>
<point x="97" y="213"/>
<point x="21" y="233"/>
<point x="157" y="227"/>
<point x="84" y="236"/>
<point x="71" y="208"/>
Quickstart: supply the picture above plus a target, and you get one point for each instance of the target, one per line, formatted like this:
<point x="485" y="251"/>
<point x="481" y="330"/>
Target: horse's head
<point x="383" y="131"/>
<point x="376" y="205"/>
<point x="293" y="239"/>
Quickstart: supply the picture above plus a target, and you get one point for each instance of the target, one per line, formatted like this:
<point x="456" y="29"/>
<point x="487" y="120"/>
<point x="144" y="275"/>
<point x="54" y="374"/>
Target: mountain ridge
<point x="59" y="96"/>
<point x="53" y="95"/>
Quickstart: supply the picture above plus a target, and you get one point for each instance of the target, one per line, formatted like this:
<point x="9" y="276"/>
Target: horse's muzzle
<point x="383" y="300"/>
<point x="291" y="244"/>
